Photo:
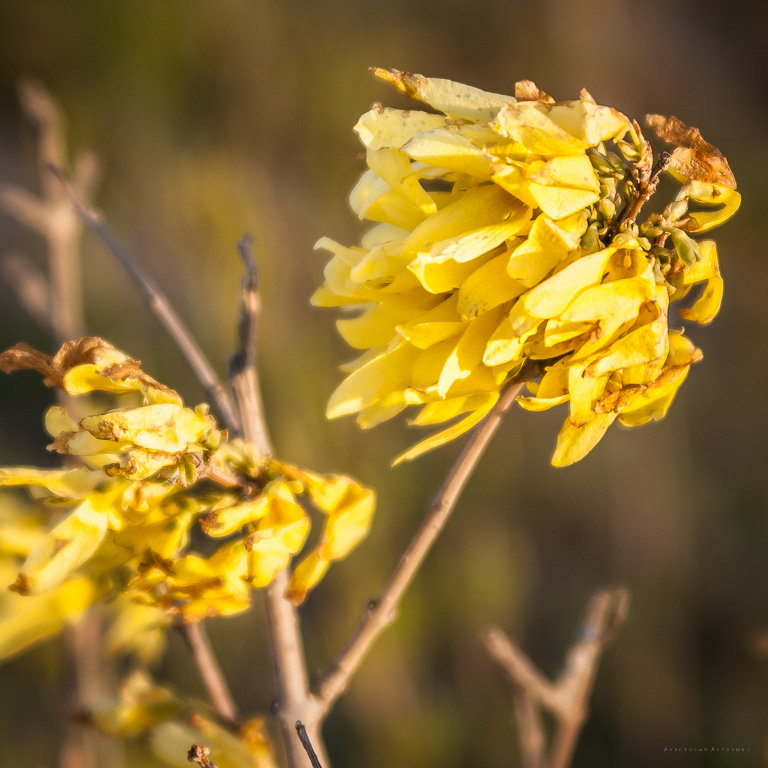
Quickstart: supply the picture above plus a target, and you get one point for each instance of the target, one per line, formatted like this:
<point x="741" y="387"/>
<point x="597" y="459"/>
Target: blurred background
<point x="211" y="120"/>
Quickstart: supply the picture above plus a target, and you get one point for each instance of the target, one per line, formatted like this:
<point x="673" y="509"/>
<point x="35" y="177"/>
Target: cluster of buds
<point x="161" y="507"/>
<point x="506" y="247"/>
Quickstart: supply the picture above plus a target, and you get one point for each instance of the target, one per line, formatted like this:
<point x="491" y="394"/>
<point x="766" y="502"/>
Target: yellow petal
<point x="373" y="199"/>
<point x="538" y="404"/>
<point x="452" y="432"/>
<point x="585" y="392"/>
<point x="25" y="620"/>
<point x="567" y="171"/>
<point x="226" y="520"/>
<point x="453" y="99"/>
<point x="393" y="166"/>
<point x="487" y="287"/>
<point x="575" y="442"/>
<point x="164" y="427"/>
<point x="375" y="326"/>
<point x="447" y="149"/>
<point x="726" y="200"/>
<point x="640" y="347"/>
<point x="389" y="370"/>
<point x="707" y="268"/>
<point x="64" y="483"/>
<point x="550" y="297"/>
<point x="478" y="207"/>
<point x="507" y="342"/>
<point x="559" y="202"/>
<point x="445" y="410"/>
<point x="66" y="547"/>
<point x="469" y="350"/>
<point x="548" y="243"/>
<point x="306" y="575"/>
<point x="383" y="127"/>
<point x="619" y="300"/>
<point x="560" y="129"/>
<point x="433" y="326"/>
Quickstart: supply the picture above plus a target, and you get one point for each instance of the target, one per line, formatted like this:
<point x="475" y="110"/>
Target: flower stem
<point x="215" y="683"/>
<point x="382" y="611"/>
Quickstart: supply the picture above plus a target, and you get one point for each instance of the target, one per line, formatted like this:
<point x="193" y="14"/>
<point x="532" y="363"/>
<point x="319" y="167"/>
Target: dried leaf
<point x="527" y="90"/>
<point x="694" y="157"/>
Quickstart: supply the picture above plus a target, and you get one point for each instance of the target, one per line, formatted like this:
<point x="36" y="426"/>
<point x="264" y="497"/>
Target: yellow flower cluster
<point x="505" y="247"/>
<point x="139" y="480"/>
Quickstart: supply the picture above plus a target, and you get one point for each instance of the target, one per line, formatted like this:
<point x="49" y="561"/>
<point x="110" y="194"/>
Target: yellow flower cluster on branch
<point x="138" y="481"/>
<point x="506" y="246"/>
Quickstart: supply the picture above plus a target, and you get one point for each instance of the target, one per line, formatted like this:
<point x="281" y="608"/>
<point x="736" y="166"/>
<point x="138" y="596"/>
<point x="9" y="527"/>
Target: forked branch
<point x="566" y="698"/>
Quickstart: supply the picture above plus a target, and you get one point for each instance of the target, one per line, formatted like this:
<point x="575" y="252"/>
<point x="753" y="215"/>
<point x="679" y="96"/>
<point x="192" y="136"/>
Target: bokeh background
<point x="215" y="119"/>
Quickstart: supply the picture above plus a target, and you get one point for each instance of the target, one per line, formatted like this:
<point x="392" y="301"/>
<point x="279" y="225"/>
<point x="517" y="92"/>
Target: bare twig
<point x="243" y="374"/>
<point x="51" y="215"/>
<point x="382" y="611"/>
<point x="54" y="300"/>
<point x="215" y="683"/>
<point x="159" y="304"/>
<point x="294" y="701"/>
<point x="30" y="285"/>
<point x="307" y="744"/>
<point x="567" y="697"/>
<point x="645" y="189"/>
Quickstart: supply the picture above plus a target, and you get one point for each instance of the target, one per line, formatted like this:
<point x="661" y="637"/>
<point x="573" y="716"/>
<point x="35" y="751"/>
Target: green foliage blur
<point x="215" y="119"/>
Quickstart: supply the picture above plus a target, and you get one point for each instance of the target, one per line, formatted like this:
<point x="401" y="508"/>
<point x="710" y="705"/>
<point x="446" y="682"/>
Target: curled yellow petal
<point x="453" y="99"/>
<point x="575" y="442"/>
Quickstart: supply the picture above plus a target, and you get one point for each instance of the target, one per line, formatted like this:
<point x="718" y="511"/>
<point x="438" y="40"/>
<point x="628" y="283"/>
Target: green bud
<point x="676" y="210"/>
<point x="686" y="247"/>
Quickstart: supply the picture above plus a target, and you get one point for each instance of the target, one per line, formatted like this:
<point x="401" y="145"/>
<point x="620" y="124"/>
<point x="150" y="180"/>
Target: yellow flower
<point x="502" y="250"/>
<point x="120" y="517"/>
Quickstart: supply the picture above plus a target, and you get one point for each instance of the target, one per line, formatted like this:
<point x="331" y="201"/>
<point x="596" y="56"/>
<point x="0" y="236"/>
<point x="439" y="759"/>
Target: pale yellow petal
<point x="383" y="127"/>
<point x="487" y="287"/>
<point x="453" y="99"/>
<point x="451" y="433"/>
<point x="389" y="370"/>
<point x="550" y="297"/>
<point x="575" y="442"/>
<point x="447" y="149"/>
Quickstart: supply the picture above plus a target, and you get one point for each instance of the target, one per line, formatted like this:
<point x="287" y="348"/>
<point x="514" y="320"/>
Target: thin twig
<point x="243" y="374"/>
<point x="606" y="612"/>
<point x="294" y="701"/>
<point x="307" y="744"/>
<point x="566" y="698"/>
<point x="520" y="670"/>
<point x="645" y="190"/>
<point x="30" y="285"/>
<point x="382" y="611"/>
<point x="55" y="301"/>
<point x="159" y="304"/>
<point x="215" y="683"/>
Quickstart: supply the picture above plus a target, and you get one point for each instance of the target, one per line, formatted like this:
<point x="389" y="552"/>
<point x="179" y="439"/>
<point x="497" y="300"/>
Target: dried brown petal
<point x="527" y="90"/>
<point x="22" y="357"/>
<point x="694" y="157"/>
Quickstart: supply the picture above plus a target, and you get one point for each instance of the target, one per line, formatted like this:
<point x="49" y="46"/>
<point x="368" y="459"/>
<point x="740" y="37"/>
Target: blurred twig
<point x="215" y="683"/>
<point x="295" y="702"/>
<point x="52" y="216"/>
<point x="566" y="698"/>
<point x="31" y="287"/>
<point x="55" y="301"/>
<point x="158" y="302"/>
